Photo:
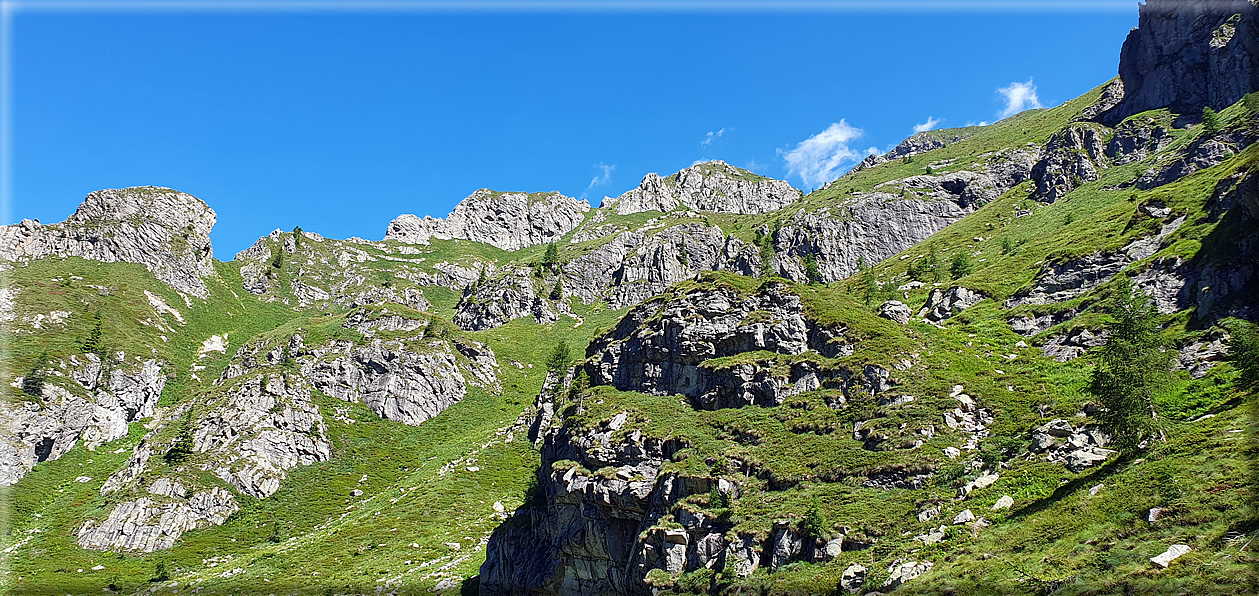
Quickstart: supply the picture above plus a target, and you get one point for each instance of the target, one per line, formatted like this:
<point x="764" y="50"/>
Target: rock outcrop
<point x="942" y="305"/>
<point x="690" y="343"/>
<point x="1187" y="55"/>
<point x="592" y="527"/>
<point x="1073" y="156"/>
<point x="501" y="299"/>
<point x="165" y="230"/>
<point x="713" y="186"/>
<point x="406" y="381"/>
<point x="256" y="424"/>
<point x="872" y="226"/>
<point x="96" y="411"/>
<point x="507" y="220"/>
<point x="151" y="523"/>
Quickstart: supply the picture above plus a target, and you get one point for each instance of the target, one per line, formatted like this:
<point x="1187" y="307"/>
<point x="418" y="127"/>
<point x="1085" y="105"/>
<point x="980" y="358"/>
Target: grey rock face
<point x="1199" y="155"/>
<point x="635" y="266"/>
<point x="1071" y="345"/>
<point x="1111" y="95"/>
<point x="264" y="425"/>
<point x="853" y="578"/>
<point x="1186" y="55"/>
<point x="405" y="383"/>
<point x="1137" y="138"/>
<point x="595" y="528"/>
<point x="32" y="432"/>
<point x="903" y="571"/>
<point x="1072" y="157"/>
<point x="714" y="186"/>
<point x="873" y="226"/>
<point x="507" y="220"/>
<point x="148" y="524"/>
<point x="942" y="305"/>
<point x="165" y="230"/>
<point x="501" y="299"/>
<point x="257" y="424"/>
<point x="664" y="346"/>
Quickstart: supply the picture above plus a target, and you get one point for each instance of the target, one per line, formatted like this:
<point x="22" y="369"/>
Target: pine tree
<point x="961" y="266"/>
<point x="552" y="257"/>
<point x="1210" y="121"/>
<point x="557" y="292"/>
<point x="1131" y="369"/>
<point x="558" y="361"/>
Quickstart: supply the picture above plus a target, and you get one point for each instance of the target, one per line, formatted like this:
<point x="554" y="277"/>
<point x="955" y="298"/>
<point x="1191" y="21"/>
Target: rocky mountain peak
<point x="507" y="220"/>
<point x="1186" y="55"/>
<point x="710" y="186"/>
<point x="165" y="230"/>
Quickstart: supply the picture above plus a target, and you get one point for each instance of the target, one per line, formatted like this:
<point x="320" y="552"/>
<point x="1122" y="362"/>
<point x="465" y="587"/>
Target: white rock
<point x="1005" y="502"/>
<point x="1169" y="555"/>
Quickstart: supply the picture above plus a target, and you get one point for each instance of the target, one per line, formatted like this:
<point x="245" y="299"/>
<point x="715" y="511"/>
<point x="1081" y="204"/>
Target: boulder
<point x="853" y="578"/>
<point x="895" y="310"/>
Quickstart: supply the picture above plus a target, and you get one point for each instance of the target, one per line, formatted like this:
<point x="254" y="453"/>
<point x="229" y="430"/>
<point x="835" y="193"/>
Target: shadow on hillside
<point x="1083" y="482"/>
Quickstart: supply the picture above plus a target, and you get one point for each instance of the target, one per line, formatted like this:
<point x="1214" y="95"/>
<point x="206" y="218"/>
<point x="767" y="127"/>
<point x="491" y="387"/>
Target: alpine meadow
<point x="1009" y="358"/>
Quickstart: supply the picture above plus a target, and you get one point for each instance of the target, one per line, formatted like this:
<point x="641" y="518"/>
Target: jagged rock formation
<point x="583" y="536"/>
<point x="257" y="424"/>
<point x="165" y="230"/>
<point x="1072" y="157"/>
<point x="713" y="186"/>
<point x="1201" y="154"/>
<point x="501" y="299"/>
<point x="97" y="411"/>
<point x="151" y="523"/>
<point x="408" y="382"/>
<point x="1188" y="55"/>
<point x="321" y="272"/>
<point x="675" y="345"/>
<point x="508" y="220"/>
<point x="872" y="226"/>
<point x="635" y="266"/>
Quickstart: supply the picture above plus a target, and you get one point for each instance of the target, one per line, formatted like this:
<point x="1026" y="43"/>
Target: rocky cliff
<point x="1187" y="55"/>
<point x="93" y="403"/>
<point x="712" y="186"/>
<point x="508" y="220"/>
<point x="165" y="230"/>
<point x="682" y="343"/>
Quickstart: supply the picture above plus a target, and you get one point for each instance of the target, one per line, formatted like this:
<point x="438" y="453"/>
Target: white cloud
<point x="817" y="159"/>
<point x="604" y="177"/>
<point x="930" y="124"/>
<point x="1019" y="97"/>
<point x="712" y="136"/>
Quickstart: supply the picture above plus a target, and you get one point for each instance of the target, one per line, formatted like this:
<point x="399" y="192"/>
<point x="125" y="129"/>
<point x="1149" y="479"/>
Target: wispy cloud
<point x="818" y="159"/>
<point x="1019" y="97"/>
<point x="930" y="124"/>
<point x="603" y="177"/>
<point x="712" y="136"/>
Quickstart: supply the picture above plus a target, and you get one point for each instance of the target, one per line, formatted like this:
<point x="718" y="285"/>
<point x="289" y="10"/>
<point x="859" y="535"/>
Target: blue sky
<point x="338" y="122"/>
